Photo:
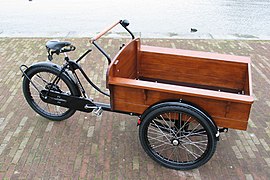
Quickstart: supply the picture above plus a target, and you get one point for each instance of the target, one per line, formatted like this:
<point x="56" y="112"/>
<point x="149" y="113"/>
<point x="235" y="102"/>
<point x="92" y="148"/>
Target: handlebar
<point x="104" y="31"/>
<point x="124" y="23"/>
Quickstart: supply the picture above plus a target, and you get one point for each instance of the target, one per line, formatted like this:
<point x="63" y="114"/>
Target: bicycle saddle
<point x="57" y="45"/>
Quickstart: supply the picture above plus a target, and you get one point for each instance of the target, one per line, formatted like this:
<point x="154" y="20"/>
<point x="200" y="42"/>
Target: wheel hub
<point x="53" y="87"/>
<point x="175" y="142"/>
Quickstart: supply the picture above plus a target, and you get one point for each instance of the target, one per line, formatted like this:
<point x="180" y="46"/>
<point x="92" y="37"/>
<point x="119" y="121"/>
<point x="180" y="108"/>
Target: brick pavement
<point x="107" y="147"/>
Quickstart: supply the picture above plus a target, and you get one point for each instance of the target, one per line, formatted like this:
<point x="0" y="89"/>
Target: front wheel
<point x="42" y="78"/>
<point x="177" y="137"/>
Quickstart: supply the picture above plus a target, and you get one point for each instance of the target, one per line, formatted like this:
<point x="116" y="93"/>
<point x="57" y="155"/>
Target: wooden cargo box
<point x="141" y="76"/>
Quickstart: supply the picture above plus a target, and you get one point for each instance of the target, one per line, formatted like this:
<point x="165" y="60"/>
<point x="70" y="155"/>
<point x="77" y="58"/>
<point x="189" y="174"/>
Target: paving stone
<point x="6" y="121"/>
<point x="267" y="160"/>
<point x="265" y="145"/>
<point x="135" y="163"/>
<point x="90" y="131"/>
<point x="249" y="177"/>
<point x="49" y="127"/>
<point x="237" y="152"/>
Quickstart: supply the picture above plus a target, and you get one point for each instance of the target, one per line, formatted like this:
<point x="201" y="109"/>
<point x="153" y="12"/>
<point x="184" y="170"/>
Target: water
<point x="150" y="18"/>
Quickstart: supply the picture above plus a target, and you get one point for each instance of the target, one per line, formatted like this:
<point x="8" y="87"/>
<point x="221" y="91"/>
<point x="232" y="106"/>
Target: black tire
<point x="42" y="77"/>
<point x="177" y="137"/>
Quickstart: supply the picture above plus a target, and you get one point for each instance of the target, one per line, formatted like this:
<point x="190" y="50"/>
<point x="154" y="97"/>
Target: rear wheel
<point x="43" y="77"/>
<point x="177" y="137"/>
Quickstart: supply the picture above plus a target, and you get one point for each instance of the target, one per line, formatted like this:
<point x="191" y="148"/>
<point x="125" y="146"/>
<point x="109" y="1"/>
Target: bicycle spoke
<point x="157" y="139"/>
<point x="156" y="133"/>
<point x="169" y="148"/>
<point x="193" y="129"/>
<point x="192" y="153"/>
<point x="172" y="152"/>
<point x="155" y="130"/>
<point x="202" y="133"/>
<point x="161" y="131"/>
<point x="37" y="83"/>
<point x="183" y="142"/>
<point x="170" y="130"/>
<point x="194" y="144"/>
<point x="42" y="80"/>
<point x="184" y="125"/>
<point x="155" y="147"/>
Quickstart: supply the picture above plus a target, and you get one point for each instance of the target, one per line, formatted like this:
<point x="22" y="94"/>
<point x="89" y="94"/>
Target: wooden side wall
<point x="248" y="82"/>
<point x="123" y="65"/>
<point x="125" y="62"/>
<point x="207" y="70"/>
<point x="225" y="113"/>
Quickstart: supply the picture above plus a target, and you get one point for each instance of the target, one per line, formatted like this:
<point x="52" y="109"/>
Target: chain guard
<point x="68" y="101"/>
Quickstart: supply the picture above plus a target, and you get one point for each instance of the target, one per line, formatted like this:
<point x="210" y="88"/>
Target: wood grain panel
<point x="125" y="62"/>
<point x="194" y="70"/>
<point x="221" y="122"/>
<point x="211" y="106"/>
<point x="231" y="123"/>
<point x="203" y="93"/>
<point x="133" y="100"/>
<point x="129" y="107"/>
<point x="198" y="54"/>
<point x="248" y="81"/>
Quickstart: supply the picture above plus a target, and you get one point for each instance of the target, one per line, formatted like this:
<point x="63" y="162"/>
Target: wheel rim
<point x="177" y="137"/>
<point x="43" y="80"/>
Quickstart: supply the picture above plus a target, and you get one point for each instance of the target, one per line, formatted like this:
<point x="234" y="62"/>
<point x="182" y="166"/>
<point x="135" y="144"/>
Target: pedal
<point x="89" y="106"/>
<point x="98" y="111"/>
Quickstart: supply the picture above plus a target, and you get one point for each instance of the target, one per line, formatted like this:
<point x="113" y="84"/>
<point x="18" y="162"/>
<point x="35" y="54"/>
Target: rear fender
<point x="57" y="67"/>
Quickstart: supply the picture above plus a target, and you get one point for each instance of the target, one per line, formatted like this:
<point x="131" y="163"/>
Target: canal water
<point x="222" y="19"/>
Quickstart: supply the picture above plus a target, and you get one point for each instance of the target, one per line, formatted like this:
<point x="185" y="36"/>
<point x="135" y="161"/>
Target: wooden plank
<point x="200" y="93"/>
<point x="249" y="79"/>
<point x="231" y="123"/>
<point x="125" y="62"/>
<point x="246" y="88"/>
<point x="214" y="107"/>
<point x="197" y="54"/>
<point x="238" y="111"/>
<point x="136" y="96"/>
<point x="200" y="86"/>
<point x="224" y="74"/>
<point x="132" y="100"/>
<point x="220" y="122"/>
<point x="129" y="107"/>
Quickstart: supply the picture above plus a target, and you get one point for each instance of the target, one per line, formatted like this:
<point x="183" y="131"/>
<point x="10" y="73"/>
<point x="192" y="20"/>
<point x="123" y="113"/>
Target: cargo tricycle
<point x="183" y="99"/>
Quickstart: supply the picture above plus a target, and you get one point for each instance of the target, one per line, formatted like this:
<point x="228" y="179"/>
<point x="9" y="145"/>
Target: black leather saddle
<point x="57" y="45"/>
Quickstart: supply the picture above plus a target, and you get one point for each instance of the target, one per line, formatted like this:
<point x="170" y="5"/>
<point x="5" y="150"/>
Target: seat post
<point x="66" y="57"/>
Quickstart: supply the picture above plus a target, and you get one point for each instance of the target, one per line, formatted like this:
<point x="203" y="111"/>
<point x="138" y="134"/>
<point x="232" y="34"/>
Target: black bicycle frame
<point x="79" y="103"/>
<point x="124" y="23"/>
<point x="72" y="65"/>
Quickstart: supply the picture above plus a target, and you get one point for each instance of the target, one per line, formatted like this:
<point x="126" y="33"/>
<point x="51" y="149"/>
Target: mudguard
<point x="53" y="66"/>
